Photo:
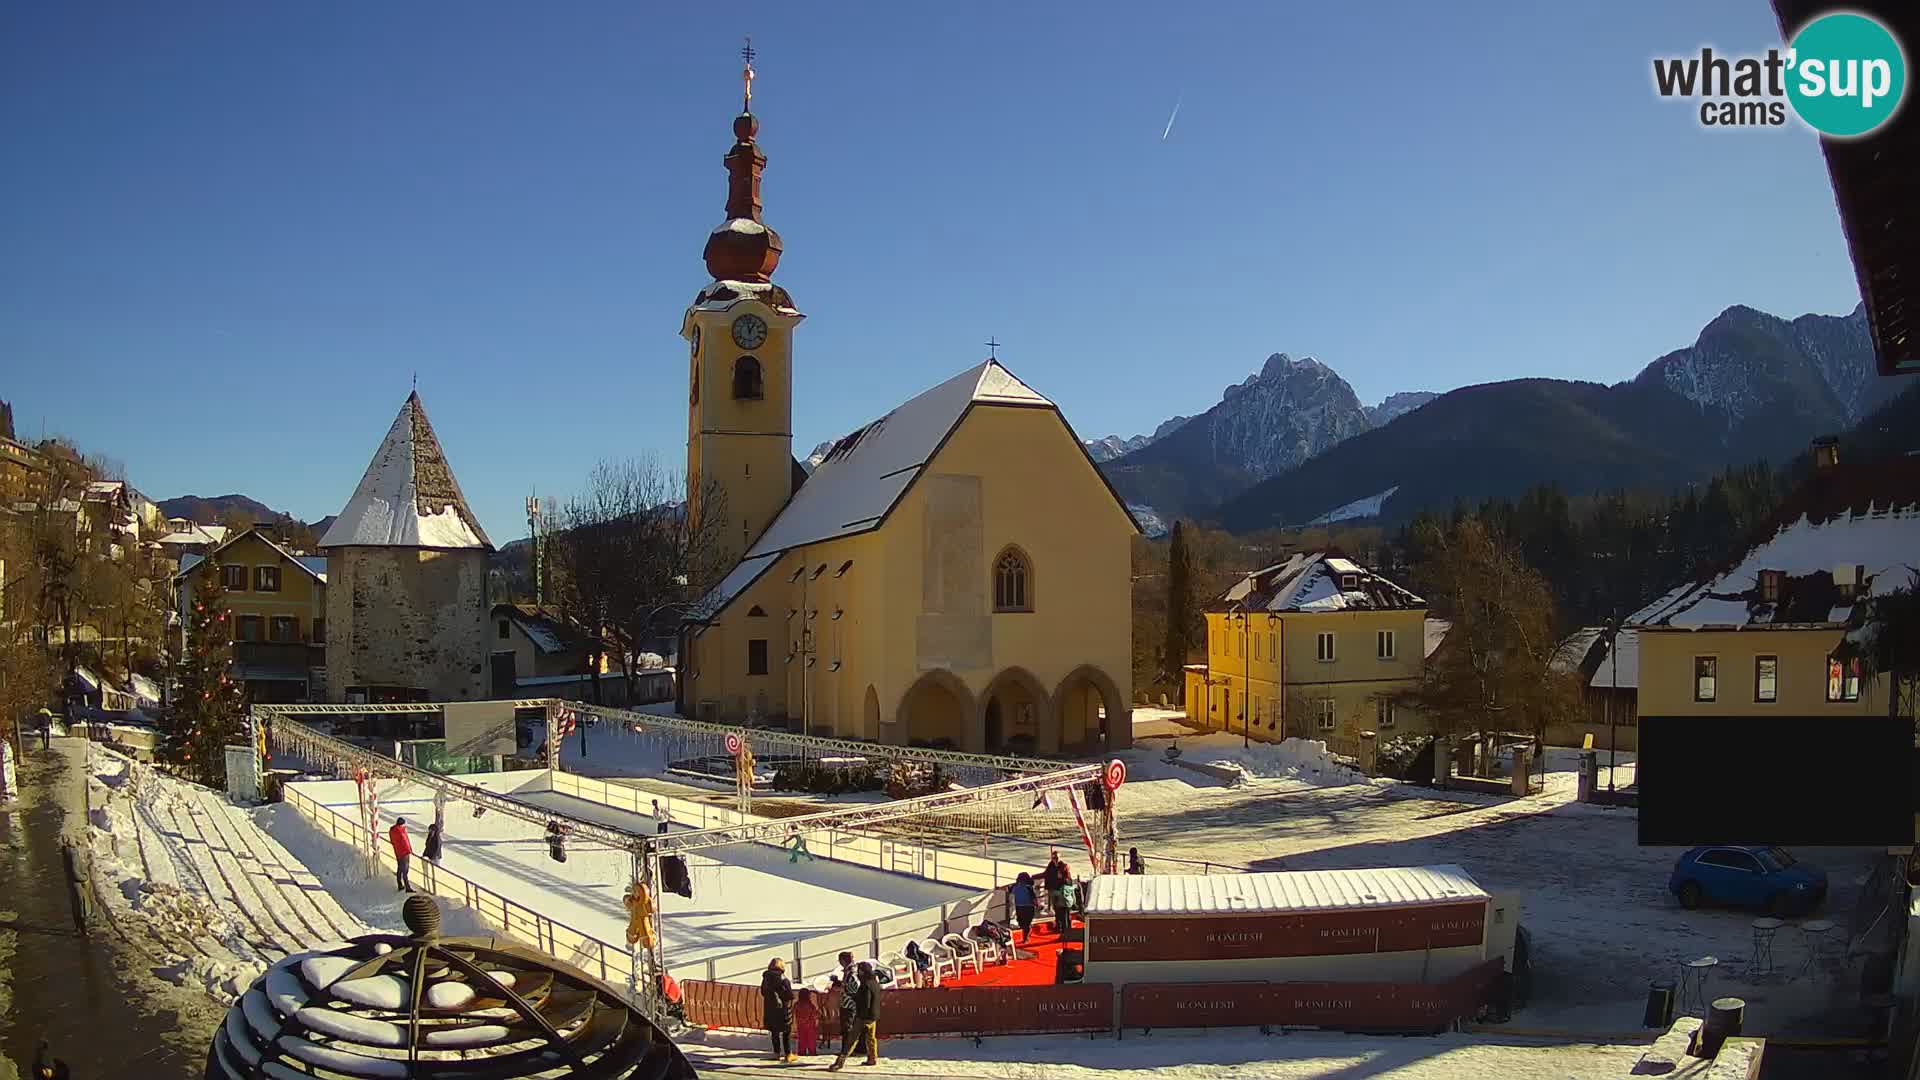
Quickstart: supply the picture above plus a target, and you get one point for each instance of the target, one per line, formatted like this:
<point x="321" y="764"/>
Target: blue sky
<point x="230" y="233"/>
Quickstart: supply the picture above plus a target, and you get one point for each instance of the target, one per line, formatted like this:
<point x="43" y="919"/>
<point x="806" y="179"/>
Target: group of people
<point x="793" y="1017"/>
<point x="1063" y="893"/>
<point x="403" y="850"/>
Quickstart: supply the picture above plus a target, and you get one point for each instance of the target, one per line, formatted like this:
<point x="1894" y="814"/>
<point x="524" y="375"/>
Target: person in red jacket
<point x="402" y="850"/>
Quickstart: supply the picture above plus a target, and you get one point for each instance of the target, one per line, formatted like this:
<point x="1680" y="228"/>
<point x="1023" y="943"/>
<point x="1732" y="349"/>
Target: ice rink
<point x="745" y="896"/>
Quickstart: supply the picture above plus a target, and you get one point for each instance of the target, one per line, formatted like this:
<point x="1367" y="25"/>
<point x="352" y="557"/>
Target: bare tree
<point x="1494" y="671"/>
<point x="630" y="563"/>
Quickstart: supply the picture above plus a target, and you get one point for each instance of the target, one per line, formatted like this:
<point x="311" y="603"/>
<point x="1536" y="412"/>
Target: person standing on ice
<point x="799" y="845"/>
<point x="1024" y="901"/>
<point x="1134" y="863"/>
<point x="776" y="1002"/>
<point x="402" y="851"/>
<point x="432" y="851"/>
<point x="662" y="818"/>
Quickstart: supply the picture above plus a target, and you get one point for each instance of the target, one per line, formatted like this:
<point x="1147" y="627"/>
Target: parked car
<point x="1756" y="877"/>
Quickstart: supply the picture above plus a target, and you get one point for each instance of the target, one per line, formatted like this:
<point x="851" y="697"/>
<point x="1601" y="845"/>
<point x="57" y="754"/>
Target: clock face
<point x="749" y="331"/>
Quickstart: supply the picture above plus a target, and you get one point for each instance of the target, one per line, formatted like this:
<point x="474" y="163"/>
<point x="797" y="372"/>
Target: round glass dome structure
<point x="423" y="1007"/>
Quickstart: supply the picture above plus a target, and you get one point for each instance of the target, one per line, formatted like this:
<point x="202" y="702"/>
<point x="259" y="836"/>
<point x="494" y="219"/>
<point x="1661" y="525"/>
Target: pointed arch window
<point x="1012" y="581"/>
<point x="747" y="384"/>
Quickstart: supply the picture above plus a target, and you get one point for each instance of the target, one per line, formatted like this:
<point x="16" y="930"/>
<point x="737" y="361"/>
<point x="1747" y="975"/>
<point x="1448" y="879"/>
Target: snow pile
<point x="1305" y="760"/>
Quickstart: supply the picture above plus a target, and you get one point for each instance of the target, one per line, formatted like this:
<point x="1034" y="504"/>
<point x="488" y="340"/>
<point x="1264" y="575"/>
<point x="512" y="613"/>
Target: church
<point x="955" y="573"/>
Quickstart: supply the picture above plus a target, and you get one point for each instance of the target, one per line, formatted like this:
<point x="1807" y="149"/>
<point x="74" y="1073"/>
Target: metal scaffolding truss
<point x="356" y="710"/>
<point x="304" y="738"/>
<point x="777" y="830"/>
<point x="958" y="758"/>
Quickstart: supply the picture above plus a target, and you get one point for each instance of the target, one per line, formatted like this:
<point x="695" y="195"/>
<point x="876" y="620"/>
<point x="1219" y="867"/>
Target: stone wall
<point x="406" y="617"/>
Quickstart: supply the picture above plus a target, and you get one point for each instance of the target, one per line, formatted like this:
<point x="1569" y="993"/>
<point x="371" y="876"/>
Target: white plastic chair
<point x="963" y="951"/>
<point x="906" y="973"/>
<point x="989" y="950"/>
<point x="944" y="959"/>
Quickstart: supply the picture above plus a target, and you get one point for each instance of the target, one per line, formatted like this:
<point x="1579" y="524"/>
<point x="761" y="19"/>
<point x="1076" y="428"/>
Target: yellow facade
<point x="278" y="632"/>
<point x="739" y="419"/>
<point x="1265" y="673"/>
<point x="892" y="633"/>
<point x="1800" y="667"/>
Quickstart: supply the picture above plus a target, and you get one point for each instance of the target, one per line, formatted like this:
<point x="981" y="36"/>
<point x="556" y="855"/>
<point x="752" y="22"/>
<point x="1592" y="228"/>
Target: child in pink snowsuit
<point x="806" y="1024"/>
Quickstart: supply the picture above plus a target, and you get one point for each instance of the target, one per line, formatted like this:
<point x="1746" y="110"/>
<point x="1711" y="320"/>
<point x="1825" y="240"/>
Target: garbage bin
<point x="1659" y="1005"/>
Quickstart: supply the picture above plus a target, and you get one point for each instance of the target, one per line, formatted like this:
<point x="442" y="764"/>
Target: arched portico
<point x="1016" y="714"/>
<point x="1078" y="706"/>
<point x="938" y="709"/>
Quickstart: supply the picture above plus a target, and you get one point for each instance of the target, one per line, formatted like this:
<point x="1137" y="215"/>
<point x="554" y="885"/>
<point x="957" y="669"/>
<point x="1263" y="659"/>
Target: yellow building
<point x="1763" y="637"/>
<point x="278" y="602"/>
<point x="1314" y="647"/>
<point x="954" y="573"/>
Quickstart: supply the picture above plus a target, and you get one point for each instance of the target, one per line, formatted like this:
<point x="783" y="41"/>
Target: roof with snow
<point x="865" y="474"/>
<point x="1436" y="632"/>
<point x="197" y="534"/>
<point x="1850" y="533"/>
<point x="408" y="496"/>
<point x="312" y="564"/>
<point x="550" y="631"/>
<point x="1585" y="653"/>
<point x="1282" y="891"/>
<point x="1317" y="581"/>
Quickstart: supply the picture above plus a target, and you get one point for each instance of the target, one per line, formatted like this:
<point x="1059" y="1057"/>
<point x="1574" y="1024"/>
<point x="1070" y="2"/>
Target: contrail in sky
<point x="1170" y="120"/>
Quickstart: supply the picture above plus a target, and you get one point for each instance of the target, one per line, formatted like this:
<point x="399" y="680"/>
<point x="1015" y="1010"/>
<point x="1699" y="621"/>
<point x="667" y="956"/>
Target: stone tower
<point x="407" y="578"/>
<point x="739" y="330"/>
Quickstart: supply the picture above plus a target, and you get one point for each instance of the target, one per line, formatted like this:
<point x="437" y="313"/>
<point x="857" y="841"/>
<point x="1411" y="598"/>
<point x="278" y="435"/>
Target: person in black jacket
<point x="46" y="1066"/>
<point x="433" y="843"/>
<point x="846" y="987"/>
<point x="776" y="1000"/>
<point x="866" y="1003"/>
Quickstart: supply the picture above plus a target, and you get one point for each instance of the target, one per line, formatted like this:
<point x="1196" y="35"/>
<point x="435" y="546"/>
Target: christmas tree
<point x="206" y="713"/>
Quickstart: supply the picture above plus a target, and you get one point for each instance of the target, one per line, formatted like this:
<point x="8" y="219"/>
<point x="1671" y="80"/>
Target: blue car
<point x="1754" y="877"/>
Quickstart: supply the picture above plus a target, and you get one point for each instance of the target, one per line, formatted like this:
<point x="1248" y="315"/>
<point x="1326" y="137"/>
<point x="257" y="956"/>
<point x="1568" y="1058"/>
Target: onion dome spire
<point x="743" y="248"/>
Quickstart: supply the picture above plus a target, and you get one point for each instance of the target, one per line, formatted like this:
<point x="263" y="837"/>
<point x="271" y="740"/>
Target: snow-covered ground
<point x="209" y="893"/>
<point x="1210" y="1055"/>
<point x="744" y="896"/>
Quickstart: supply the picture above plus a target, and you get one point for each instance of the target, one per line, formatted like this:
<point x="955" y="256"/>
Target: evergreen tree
<point x="1173" y="657"/>
<point x="206" y="713"/>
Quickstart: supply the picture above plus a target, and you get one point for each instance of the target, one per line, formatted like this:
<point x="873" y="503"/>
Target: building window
<point x="319" y="631"/>
<point x="1766" y="678"/>
<point x="1012" y="582"/>
<point x="1325" y="714"/>
<point x="503" y="629"/>
<point x="266" y="579"/>
<point x="757" y="656"/>
<point x="283" y="628"/>
<point x="1383" y="644"/>
<point x="1273" y="647"/>
<point x="1383" y="712"/>
<point x="1256" y="648"/>
<point x="1770" y="585"/>
<point x="249" y="628"/>
<point x="1843" y="679"/>
<point x="747" y="385"/>
<point x="233" y="578"/>
<point x="1323" y="646"/>
<point x="1705" y="685"/>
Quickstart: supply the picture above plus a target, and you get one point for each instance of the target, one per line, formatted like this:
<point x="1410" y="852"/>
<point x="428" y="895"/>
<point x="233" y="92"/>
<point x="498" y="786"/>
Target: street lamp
<point x="1613" y="694"/>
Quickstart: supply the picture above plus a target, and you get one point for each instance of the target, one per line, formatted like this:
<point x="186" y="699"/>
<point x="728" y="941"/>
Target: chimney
<point x="1826" y="452"/>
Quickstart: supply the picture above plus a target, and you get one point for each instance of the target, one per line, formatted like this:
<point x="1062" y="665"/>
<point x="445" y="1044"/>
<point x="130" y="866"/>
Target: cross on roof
<point x="746" y="75"/>
<point x="994" y="347"/>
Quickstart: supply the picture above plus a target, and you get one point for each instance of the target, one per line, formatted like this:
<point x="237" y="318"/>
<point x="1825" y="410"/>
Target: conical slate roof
<point x="408" y="497"/>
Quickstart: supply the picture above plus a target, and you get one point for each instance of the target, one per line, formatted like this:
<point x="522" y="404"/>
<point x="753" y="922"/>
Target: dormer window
<point x="1770" y="585"/>
<point x="1349" y="582"/>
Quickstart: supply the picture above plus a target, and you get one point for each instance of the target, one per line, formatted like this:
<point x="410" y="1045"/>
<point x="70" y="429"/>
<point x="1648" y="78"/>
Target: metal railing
<point x="610" y="962"/>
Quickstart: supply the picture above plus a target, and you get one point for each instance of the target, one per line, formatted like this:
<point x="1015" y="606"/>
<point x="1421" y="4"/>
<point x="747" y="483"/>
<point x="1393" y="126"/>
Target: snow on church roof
<point x="866" y="472"/>
<point x="408" y="496"/>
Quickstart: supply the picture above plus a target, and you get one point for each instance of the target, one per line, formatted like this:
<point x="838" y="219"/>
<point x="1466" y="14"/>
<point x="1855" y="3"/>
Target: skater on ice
<point x="798" y="843"/>
<point x="662" y="817"/>
<point x="432" y="851"/>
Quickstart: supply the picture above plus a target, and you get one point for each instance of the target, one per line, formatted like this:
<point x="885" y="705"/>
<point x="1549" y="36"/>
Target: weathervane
<point x="746" y="75"/>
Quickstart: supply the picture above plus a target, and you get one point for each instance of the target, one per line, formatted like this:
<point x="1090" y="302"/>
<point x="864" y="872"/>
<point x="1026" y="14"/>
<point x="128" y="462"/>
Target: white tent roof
<point x="408" y="497"/>
<point x="1281" y="891"/>
<point x="866" y="472"/>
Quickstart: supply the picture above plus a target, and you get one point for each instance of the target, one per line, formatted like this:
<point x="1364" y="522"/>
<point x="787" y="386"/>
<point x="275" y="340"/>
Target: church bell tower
<point x="739" y="333"/>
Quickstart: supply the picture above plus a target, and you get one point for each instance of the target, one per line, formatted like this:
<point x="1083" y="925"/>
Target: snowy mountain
<point x="1749" y="368"/>
<point x="1273" y="420"/>
<point x="1114" y="446"/>
<point x="1397" y="405"/>
<point x="819" y="454"/>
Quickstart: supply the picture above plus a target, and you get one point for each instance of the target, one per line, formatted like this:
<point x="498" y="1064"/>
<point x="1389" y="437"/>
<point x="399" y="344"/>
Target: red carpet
<point x="1039" y="971"/>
